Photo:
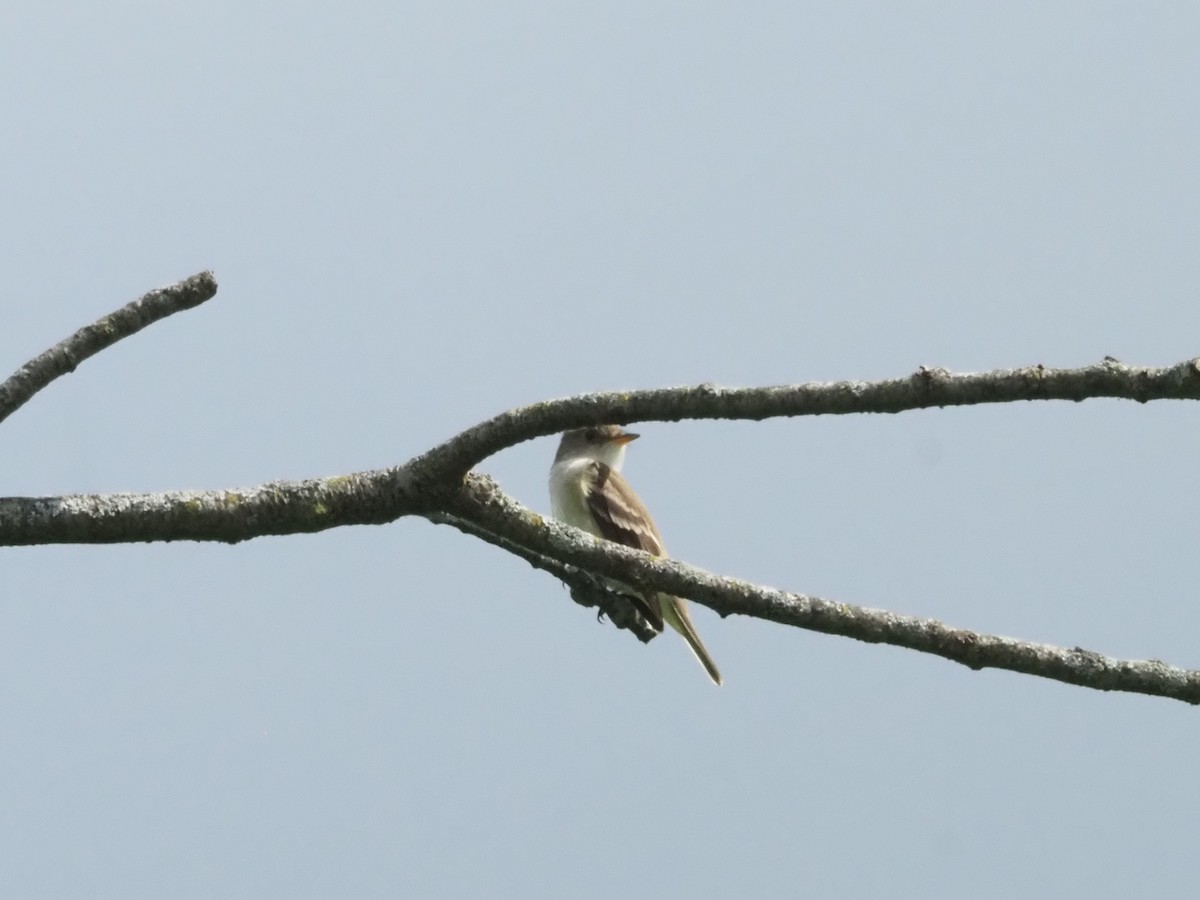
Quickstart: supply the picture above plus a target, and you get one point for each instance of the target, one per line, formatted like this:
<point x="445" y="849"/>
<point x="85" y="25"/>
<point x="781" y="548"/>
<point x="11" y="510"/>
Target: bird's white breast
<point x="568" y="494"/>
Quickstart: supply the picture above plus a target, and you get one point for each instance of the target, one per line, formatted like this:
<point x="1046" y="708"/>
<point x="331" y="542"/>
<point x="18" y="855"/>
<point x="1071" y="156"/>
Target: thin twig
<point x="64" y="356"/>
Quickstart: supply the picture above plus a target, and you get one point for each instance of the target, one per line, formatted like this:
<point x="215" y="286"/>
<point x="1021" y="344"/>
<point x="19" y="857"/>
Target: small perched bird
<point x="588" y="491"/>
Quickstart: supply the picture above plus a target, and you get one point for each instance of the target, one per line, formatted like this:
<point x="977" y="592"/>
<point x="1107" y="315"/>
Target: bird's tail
<point x="675" y="614"/>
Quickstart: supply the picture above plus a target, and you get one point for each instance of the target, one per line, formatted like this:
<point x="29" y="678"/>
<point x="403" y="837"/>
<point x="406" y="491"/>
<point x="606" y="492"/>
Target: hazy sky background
<point x="422" y="215"/>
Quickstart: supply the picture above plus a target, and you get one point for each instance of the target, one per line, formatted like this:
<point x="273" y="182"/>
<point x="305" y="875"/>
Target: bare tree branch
<point x="586" y="589"/>
<point x="924" y="389"/>
<point x="64" y="356"/>
<point x="439" y="486"/>
<point x="278" y="507"/>
<point x="483" y="502"/>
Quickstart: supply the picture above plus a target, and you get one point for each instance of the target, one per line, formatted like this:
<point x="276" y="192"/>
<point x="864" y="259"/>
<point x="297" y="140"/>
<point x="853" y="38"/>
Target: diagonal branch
<point x="586" y="589"/>
<point x="482" y="502"/>
<point x="64" y="356"/>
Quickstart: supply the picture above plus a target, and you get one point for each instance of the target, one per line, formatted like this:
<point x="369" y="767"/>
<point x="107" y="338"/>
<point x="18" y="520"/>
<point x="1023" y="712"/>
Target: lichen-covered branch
<point x="439" y="486"/>
<point x="586" y="589"/>
<point x="131" y="318"/>
<point x="279" y="507"/>
<point x="482" y="501"/>
<point x="925" y="388"/>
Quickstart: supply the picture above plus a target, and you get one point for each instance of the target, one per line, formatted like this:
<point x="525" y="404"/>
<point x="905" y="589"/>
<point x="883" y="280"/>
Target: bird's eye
<point x="592" y="434"/>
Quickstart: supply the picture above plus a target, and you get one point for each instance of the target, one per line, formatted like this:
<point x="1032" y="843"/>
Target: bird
<point x="587" y="490"/>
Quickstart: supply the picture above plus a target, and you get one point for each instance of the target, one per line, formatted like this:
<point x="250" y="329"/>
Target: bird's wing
<point x="620" y="513"/>
<point x="623" y="519"/>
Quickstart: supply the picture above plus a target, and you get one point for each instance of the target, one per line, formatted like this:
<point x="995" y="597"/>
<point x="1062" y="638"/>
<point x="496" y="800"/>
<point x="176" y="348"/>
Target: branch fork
<point x="441" y="485"/>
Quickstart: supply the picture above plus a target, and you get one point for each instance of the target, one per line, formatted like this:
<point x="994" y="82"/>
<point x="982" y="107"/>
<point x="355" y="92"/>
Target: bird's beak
<point x="624" y="438"/>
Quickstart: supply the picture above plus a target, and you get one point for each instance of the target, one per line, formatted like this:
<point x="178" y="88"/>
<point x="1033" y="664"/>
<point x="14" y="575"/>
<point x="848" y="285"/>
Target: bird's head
<point x="603" y="443"/>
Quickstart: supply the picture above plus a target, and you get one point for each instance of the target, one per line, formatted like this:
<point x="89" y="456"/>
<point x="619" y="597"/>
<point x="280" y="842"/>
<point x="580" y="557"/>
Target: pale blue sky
<point x="422" y="215"/>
